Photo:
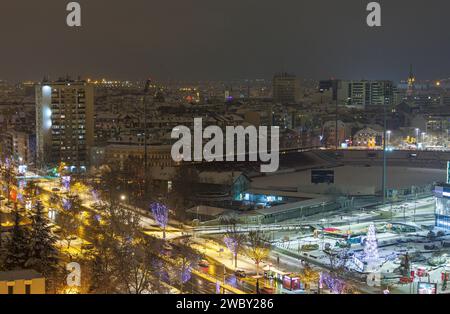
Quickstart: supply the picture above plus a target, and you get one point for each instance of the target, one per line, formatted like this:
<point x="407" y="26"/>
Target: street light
<point x="415" y="207"/>
<point x="361" y="214"/>
<point x="388" y="137"/>
<point x="123" y="197"/>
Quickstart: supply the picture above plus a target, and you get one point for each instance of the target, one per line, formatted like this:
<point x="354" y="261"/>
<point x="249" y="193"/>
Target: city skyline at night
<point x="224" y="155"/>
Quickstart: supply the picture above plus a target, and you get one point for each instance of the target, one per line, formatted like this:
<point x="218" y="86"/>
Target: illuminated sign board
<point x="426" y="288"/>
<point x="322" y="176"/>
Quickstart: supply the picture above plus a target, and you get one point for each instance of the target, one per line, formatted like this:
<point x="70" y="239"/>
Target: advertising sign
<point x="426" y="288"/>
<point x="322" y="176"/>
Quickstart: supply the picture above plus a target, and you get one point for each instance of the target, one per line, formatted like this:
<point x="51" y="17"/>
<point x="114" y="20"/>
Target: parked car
<point x="240" y="273"/>
<point x="404" y="280"/>
<point x="87" y="246"/>
<point x="309" y="247"/>
<point x="267" y="290"/>
<point x="430" y="247"/>
<point x="56" y="230"/>
<point x="203" y="263"/>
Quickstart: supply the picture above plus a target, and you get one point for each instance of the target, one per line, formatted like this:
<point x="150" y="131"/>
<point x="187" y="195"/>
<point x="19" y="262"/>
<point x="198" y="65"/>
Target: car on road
<point x="56" y="190"/>
<point x="405" y="280"/>
<point x="167" y="247"/>
<point x="56" y="229"/>
<point x="148" y="229"/>
<point x="87" y="246"/>
<point x="260" y="206"/>
<point x="240" y="273"/>
<point x="430" y="247"/>
<point x="203" y="263"/>
<point x="267" y="290"/>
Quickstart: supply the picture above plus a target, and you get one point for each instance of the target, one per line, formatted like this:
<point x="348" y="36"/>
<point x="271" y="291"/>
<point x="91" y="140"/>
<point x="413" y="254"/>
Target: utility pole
<point x="336" y="118"/>
<point x="415" y="207"/>
<point x="224" y="277"/>
<point x="144" y="101"/>
<point x="336" y="84"/>
<point x="383" y="187"/>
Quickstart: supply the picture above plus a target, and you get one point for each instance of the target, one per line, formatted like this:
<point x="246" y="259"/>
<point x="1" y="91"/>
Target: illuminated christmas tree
<point x="371" y="247"/>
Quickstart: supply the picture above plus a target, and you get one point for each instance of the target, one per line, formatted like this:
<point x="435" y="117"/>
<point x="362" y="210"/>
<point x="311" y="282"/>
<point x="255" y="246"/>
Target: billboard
<point x="426" y="288"/>
<point x="322" y="176"/>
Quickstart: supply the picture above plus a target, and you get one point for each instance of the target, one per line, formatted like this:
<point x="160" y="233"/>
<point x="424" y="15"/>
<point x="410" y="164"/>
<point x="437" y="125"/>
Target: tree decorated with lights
<point x="184" y="260"/>
<point x="65" y="182"/>
<point x="234" y="238"/>
<point x="371" y="247"/>
<point x="161" y="214"/>
<point x="308" y="275"/>
<point x="95" y="196"/>
<point x="336" y="285"/>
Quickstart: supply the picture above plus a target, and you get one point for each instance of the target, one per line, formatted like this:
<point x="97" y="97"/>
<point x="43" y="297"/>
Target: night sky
<point x="224" y="39"/>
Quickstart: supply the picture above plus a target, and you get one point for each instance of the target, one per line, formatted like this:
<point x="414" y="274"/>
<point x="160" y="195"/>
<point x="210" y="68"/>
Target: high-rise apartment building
<point x="64" y="123"/>
<point x="286" y="88"/>
<point x="360" y="94"/>
<point x="19" y="146"/>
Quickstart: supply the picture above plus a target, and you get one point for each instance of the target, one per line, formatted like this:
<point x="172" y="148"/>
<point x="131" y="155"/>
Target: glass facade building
<point x="442" y="212"/>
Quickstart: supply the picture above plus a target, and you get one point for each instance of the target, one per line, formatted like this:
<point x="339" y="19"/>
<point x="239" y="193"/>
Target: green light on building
<point x="448" y="172"/>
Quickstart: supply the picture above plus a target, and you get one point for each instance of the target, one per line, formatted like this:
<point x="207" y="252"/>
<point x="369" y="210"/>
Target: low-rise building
<point x="22" y="282"/>
<point x="329" y="133"/>
<point x="368" y="137"/>
<point x="157" y="156"/>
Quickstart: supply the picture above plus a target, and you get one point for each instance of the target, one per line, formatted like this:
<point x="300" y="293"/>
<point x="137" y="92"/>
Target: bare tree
<point x="338" y="260"/>
<point x="234" y="238"/>
<point x="108" y="184"/>
<point x="69" y="219"/>
<point x="134" y="265"/>
<point x="31" y="189"/>
<point x="123" y="258"/>
<point x="258" y="247"/>
<point x="99" y="262"/>
<point x="183" y="188"/>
